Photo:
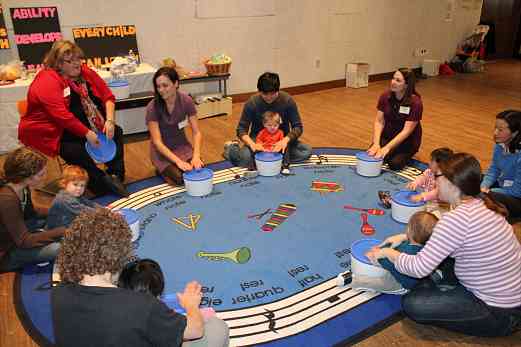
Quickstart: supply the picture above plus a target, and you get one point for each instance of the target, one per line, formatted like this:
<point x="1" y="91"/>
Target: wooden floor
<point x="459" y="112"/>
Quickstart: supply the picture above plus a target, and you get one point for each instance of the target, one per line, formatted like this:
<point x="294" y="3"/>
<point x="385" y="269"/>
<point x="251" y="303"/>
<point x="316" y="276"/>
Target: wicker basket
<point x="217" y="69"/>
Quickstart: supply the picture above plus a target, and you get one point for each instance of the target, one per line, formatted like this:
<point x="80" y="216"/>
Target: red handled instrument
<point x="371" y="211"/>
<point x="366" y="229"/>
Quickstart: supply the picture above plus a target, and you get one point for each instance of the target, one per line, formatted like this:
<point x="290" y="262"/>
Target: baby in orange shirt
<point x="270" y="135"/>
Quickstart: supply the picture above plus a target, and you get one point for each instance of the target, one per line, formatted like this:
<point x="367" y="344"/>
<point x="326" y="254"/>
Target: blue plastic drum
<point x="268" y="163"/>
<point x="105" y="152"/>
<point x="360" y="264"/>
<point x="132" y="219"/>
<point x="198" y="182"/>
<point x="367" y="165"/>
<point x="402" y="208"/>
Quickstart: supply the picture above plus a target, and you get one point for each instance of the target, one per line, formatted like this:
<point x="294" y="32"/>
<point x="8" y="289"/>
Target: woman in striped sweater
<point x="486" y="298"/>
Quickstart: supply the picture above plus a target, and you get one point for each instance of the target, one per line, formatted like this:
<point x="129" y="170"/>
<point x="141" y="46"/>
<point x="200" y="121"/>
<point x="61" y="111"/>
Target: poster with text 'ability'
<point x="35" y="30"/>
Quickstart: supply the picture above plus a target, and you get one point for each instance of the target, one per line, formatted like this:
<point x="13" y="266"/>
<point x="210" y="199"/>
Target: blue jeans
<point x="18" y="257"/>
<point x="455" y="308"/>
<point x="243" y="156"/>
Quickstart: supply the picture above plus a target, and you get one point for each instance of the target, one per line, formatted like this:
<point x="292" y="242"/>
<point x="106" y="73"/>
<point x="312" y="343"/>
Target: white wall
<point x="287" y="36"/>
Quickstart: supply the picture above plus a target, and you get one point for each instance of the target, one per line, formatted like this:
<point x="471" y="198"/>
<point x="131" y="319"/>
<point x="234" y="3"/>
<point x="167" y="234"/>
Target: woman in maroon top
<point x="167" y="116"/>
<point x="397" y="131"/>
<point x="68" y="104"/>
<point x="22" y="240"/>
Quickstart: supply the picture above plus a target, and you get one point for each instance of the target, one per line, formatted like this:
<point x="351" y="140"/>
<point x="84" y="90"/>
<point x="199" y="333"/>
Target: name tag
<point x="405" y="109"/>
<point x="66" y="92"/>
<point x="183" y="123"/>
<point x="508" y="183"/>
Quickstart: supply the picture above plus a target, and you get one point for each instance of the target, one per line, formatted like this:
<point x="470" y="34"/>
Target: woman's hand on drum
<point x="380" y="253"/>
<point x="373" y="149"/>
<point x="190" y="298"/>
<point x="183" y="165"/>
<point x="416" y="198"/>
<point x="485" y="190"/>
<point x="197" y="163"/>
<point x="411" y="186"/>
<point x="374" y="254"/>
<point x="382" y="152"/>
<point x="92" y="138"/>
<point x="394" y="241"/>
<point x="108" y="128"/>
<point x="371" y="253"/>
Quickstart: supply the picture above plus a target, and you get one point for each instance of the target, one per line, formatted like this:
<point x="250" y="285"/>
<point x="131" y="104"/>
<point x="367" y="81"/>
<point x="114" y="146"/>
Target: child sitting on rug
<point x="69" y="201"/>
<point x="145" y="276"/>
<point x="426" y="181"/>
<point x="270" y="135"/>
<point x="419" y="230"/>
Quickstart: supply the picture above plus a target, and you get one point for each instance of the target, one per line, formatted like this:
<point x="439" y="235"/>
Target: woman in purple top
<point x="397" y="131"/>
<point x="167" y="115"/>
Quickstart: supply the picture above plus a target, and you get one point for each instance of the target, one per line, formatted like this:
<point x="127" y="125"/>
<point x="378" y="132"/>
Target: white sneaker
<point x="251" y="173"/>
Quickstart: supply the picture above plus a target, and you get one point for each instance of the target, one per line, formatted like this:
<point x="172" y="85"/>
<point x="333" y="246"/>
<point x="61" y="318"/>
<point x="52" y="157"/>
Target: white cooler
<point x="431" y="67"/>
<point x="120" y="89"/>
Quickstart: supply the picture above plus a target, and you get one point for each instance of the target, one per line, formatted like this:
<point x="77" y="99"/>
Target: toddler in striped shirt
<point x="426" y="181"/>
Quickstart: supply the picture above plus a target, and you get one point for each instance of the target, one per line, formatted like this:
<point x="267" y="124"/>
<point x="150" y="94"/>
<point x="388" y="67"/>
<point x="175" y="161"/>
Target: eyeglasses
<point x="72" y="61"/>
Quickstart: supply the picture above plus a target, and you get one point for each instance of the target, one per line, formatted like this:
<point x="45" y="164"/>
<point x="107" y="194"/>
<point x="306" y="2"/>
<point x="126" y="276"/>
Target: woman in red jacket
<point x="69" y="103"/>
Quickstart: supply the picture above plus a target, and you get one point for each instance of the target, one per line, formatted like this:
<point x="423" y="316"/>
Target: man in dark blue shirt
<point x="269" y="98"/>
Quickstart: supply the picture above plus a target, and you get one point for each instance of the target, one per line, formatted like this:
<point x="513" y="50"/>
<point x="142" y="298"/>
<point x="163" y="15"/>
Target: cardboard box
<point x="211" y="106"/>
<point x="357" y="75"/>
<point x="431" y="67"/>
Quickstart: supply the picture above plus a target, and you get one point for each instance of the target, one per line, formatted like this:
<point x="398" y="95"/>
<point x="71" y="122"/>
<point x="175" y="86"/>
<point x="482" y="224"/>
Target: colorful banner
<point x="35" y="30"/>
<point x="4" y="40"/>
<point x="102" y="44"/>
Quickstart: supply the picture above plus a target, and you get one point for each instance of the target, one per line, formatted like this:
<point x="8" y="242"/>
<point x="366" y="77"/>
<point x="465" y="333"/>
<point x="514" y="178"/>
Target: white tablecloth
<point x="139" y="81"/>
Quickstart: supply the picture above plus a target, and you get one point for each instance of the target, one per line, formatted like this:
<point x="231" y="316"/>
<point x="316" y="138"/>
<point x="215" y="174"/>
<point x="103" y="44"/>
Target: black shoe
<point x="252" y="166"/>
<point x="114" y="185"/>
<point x="385" y="198"/>
<point x="285" y="169"/>
<point x="119" y="173"/>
